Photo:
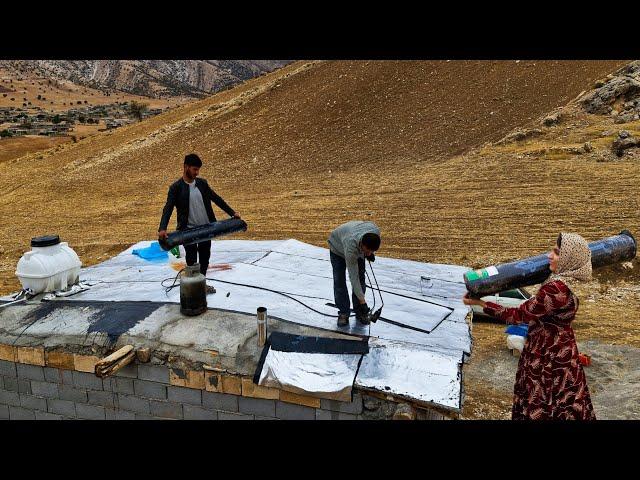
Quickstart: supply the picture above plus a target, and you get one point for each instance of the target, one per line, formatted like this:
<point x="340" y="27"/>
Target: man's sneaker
<point x="210" y="289"/>
<point x="343" y="319"/>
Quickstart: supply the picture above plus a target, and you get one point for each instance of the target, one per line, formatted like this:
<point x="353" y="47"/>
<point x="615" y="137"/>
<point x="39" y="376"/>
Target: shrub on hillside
<point x="137" y="109"/>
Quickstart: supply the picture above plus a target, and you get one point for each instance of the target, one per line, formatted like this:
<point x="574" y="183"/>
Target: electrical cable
<point x="377" y="286"/>
<point x="273" y="291"/>
<point x="167" y="289"/>
<point x="174" y="284"/>
<point x="295" y="299"/>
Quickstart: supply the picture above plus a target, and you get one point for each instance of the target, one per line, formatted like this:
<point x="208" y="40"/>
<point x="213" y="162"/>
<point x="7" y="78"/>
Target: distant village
<point x="19" y="121"/>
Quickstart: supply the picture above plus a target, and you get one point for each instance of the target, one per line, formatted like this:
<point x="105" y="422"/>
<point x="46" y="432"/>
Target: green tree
<point x="56" y="119"/>
<point x="136" y="109"/>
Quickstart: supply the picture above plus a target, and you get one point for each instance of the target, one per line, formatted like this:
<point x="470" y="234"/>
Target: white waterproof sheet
<point x="413" y="371"/>
<point x="423" y="365"/>
<point x="325" y="375"/>
<point x="303" y="273"/>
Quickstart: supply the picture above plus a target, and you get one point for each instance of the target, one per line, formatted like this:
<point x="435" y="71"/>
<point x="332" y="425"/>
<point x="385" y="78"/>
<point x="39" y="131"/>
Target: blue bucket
<point x="521" y="330"/>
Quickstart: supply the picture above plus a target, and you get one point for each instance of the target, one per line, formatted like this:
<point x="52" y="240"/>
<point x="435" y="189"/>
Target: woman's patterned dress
<point x="550" y="381"/>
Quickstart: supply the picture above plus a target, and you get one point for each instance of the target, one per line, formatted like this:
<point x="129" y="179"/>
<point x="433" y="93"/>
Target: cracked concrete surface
<point x="221" y="339"/>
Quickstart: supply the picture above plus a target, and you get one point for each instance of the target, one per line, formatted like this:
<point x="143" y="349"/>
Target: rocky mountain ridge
<point x="151" y="78"/>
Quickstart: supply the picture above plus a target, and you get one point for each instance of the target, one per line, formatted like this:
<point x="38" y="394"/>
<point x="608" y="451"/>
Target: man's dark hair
<point x="192" y="160"/>
<point x="371" y="241"/>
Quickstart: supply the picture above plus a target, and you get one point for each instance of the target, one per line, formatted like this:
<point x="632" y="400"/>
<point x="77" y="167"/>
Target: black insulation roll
<point x="534" y="270"/>
<point x="203" y="233"/>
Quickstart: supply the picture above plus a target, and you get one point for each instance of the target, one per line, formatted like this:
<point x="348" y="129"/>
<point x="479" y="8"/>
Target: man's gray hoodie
<point x="345" y="242"/>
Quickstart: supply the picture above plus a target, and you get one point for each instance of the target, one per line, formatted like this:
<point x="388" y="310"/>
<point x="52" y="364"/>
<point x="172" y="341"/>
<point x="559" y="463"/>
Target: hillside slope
<point x="299" y="150"/>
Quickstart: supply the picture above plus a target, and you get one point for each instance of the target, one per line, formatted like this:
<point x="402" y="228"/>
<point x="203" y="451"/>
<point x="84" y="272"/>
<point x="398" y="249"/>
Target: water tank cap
<point x="45" y="241"/>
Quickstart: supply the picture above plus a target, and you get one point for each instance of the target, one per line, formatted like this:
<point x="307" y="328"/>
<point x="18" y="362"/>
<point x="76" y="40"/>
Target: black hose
<point x="377" y="286"/>
<point x="167" y="289"/>
<point x="173" y="285"/>
<point x="273" y="291"/>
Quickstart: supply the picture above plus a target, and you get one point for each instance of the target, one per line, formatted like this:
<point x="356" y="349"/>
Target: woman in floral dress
<point x="550" y="381"/>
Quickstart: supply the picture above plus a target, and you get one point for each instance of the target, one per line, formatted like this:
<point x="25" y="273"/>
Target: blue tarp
<point x="153" y="253"/>
<point x="521" y="330"/>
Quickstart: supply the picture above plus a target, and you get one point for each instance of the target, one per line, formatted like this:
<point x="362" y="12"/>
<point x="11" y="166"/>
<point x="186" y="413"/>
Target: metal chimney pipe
<point x="262" y="326"/>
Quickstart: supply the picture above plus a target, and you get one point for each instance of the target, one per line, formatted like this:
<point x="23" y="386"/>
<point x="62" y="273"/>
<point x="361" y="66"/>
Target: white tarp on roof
<point x="421" y="359"/>
<point x="326" y="375"/>
<point x="412" y="371"/>
<point x="303" y="272"/>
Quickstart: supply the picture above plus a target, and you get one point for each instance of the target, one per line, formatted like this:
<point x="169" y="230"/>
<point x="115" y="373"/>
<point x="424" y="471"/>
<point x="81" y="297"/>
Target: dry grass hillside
<point x="410" y="145"/>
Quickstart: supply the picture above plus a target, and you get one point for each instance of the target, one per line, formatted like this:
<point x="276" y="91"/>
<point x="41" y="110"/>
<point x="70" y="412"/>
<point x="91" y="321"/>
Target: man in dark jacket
<point x="192" y="198"/>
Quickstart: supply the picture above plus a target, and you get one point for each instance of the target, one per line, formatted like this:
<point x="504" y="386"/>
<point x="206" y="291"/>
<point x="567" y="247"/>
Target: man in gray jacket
<point x="349" y="244"/>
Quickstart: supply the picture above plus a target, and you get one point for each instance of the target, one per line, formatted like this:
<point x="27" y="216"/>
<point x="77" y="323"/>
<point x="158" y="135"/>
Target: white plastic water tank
<point x="49" y="266"/>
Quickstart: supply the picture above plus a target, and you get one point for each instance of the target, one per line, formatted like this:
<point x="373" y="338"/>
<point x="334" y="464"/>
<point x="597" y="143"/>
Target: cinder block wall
<point x="41" y="391"/>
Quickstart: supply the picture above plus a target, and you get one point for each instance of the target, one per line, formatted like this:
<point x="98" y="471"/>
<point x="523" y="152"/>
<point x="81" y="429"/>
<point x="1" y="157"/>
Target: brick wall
<point x="38" y="391"/>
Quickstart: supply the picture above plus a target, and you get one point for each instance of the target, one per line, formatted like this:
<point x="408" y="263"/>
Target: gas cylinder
<point x="533" y="270"/>
<point x="193" y="291"/>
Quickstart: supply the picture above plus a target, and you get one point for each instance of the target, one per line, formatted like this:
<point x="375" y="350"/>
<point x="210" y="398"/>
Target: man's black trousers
<point x="199" y="252"/>
<point x="340" y="292"/>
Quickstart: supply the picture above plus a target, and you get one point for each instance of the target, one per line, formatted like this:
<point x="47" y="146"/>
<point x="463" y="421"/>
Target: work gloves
<point x="363" y="309"/>
<point x="362" y="314"/>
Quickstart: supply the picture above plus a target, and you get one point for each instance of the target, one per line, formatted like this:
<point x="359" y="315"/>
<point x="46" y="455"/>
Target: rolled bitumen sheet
<point x="534" y="270"/>
<point x="203" y="233"/>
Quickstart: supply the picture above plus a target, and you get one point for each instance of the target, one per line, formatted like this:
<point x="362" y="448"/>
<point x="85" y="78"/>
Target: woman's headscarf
<point x="574" y="264"/>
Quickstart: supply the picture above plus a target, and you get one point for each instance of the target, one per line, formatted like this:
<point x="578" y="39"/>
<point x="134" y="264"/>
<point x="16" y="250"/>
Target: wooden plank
<point x="7" y="353"/>
<point x="115" y="356"/>
<point x="111" y="368"/>
<point x="298" y="399"/>
<point x="85" y="363"/>
<point x="31" y="355"/>
<point x="231" y="384"/>
<point x="250" y="389"/>
<point x="143" y="355"/>
<point x="187" y="378"/>
<point x="212" y="381"/>
<point x="60" y="360"/>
